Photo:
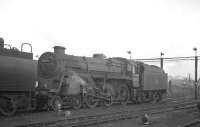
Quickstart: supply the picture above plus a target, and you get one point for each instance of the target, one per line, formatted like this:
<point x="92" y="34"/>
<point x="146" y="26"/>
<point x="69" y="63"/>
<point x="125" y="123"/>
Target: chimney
<point x="59" y="50"/>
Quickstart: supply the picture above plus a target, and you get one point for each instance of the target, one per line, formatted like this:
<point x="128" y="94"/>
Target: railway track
<point x="124" y="113"/>
<point x="195" y="123"/>
<point x="163" y="102"/>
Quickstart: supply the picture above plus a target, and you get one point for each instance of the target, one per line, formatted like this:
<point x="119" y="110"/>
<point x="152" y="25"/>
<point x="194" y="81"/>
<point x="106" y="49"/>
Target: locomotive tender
<point x="17" y="79"/>
<point x="78" y="81"/>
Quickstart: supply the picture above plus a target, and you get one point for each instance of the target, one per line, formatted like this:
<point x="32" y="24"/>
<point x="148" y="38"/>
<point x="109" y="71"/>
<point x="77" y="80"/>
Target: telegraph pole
<point x="196" y="65"/>
<point x="161" y="60"/>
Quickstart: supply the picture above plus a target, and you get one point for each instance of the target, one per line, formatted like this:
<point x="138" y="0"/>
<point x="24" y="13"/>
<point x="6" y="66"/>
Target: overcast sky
<point x="84" y="27"/>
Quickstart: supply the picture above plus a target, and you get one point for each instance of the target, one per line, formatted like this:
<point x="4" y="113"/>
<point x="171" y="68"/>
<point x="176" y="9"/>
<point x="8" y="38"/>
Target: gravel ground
<point x="51" y="116"/>
<point x="170" y="119"/>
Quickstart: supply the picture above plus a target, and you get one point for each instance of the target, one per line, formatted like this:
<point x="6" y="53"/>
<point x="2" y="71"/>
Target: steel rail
<point x="106" y="117"/>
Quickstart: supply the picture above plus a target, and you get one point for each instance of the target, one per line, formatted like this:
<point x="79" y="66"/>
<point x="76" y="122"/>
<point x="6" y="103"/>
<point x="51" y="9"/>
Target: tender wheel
<point x="139" y="99"/>
<point x="155" y="97"/>
<point x="124" y="95"/>
<point x="159" y="97"/>
<point x="55" y="103"/>
<point x="77" y="102"/>
<point x="8" y="106"/>
<point x="91" y="101"/>
<point x="146" y="97"/>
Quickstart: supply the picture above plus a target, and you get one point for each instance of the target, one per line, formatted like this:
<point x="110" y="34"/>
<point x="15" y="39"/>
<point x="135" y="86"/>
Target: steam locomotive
<point x="78" y="81"/>
<point x="58" y="79"/>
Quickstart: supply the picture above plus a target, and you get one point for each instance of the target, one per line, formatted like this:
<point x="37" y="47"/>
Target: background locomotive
<point x="17" y="79"/>
<point x="75" y="81"/>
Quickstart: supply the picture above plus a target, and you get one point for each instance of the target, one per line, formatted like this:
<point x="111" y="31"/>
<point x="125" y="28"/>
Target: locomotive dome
<point x="99" y="56"/>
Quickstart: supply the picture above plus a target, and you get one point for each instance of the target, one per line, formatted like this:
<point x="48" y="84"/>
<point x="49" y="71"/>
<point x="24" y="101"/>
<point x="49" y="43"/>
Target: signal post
<point x="196" y="66"/>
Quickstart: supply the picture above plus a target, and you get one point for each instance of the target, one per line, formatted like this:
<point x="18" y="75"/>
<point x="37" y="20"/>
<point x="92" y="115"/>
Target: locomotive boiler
<point x="17" y="79"/>
<point x="77" y="81"/>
